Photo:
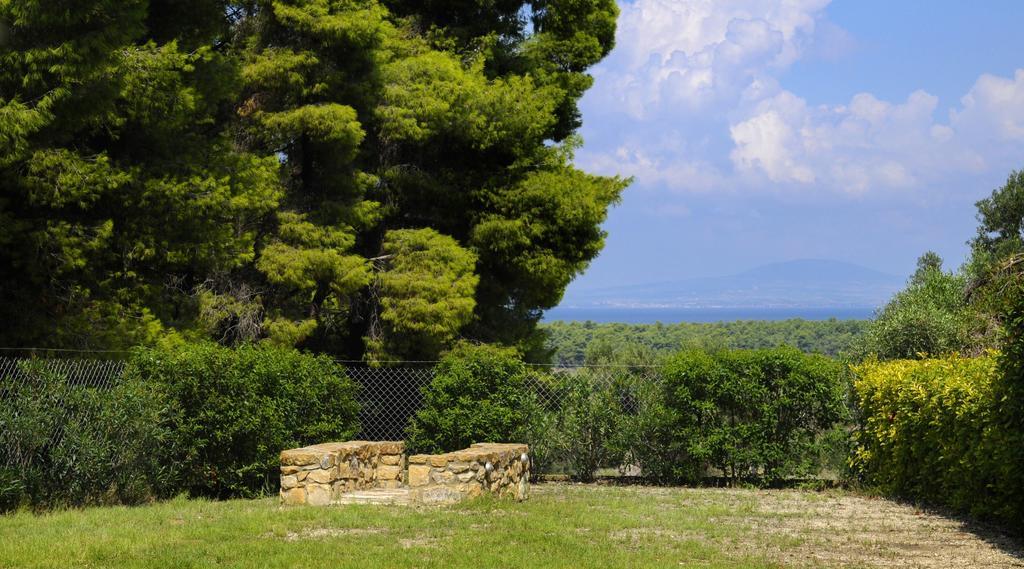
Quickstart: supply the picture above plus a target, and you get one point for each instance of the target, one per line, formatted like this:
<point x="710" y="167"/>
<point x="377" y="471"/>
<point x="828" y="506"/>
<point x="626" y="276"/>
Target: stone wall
<point x="319" y="474"/>
<point x="496" y="468"/>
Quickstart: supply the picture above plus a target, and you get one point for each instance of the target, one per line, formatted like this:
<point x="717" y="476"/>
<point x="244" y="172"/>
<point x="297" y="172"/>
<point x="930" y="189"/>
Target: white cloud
<point x="692" y="102"/>
<point x="666" y="164"/>
<point x="994" y="106"/>
<point x="770" y="143"/>
<point x="700" y="53"/>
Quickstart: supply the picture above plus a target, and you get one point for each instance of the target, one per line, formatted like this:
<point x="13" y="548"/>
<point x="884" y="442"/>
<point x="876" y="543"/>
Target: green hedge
<point x="584" y="431"/>
<point x="71" y="445"/>
<point x="753" y="415"/>
<point x="201" y="419"/>
<point x="235" y="410"/>
<point x="937" y="431"/>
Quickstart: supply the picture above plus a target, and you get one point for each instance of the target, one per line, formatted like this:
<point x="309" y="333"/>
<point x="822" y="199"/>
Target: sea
<point x="673" y="315"/>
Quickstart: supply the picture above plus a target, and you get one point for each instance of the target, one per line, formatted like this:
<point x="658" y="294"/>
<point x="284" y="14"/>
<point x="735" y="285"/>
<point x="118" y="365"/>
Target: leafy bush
<point x="645" y="435"/>
<point x="479" y="393"/>
<point x="938" y="430"/>
<point x="752" y="414"/>
<point x="236" y="409"/>
<point x="931" y="316"/>
<point x="71" y="445"/>
<point x="588" y="423"/>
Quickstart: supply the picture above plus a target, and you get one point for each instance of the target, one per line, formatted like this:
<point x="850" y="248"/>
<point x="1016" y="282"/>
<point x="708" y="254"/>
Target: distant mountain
<point x="808" y="283"/>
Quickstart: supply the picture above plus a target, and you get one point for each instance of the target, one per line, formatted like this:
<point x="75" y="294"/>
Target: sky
<point x="761" y="131"/>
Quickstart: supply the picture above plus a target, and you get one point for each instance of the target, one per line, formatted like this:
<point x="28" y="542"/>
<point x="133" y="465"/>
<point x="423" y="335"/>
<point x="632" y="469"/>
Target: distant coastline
<point x="673" y="315"/>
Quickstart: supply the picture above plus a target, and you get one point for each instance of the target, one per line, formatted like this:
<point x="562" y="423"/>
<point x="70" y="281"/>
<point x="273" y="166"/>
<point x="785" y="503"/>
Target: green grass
<point x="560" y="526"/>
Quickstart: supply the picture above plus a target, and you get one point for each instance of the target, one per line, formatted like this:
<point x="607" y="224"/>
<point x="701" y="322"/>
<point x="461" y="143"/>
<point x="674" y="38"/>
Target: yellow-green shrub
<point x="934" y="430"/>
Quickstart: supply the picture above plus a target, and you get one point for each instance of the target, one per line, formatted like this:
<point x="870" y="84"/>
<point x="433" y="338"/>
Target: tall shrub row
<point x="938" y="431"/>
<point x="200" y="419"/>
<point x="232" y="411"/>
<point x="754" y="415"/>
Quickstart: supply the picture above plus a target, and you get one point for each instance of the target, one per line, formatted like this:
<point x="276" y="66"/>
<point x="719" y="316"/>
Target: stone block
<point x="327" y="461"/>
<point x="390" y="447"/>
<point x="441" y="476"/>
<point x="288" y="482"/>
<point x="523" y="489"/>
<point x="318" y="494"/>
<point x="321" y="477"/>
<point x="293" y="497"/>
<point x="419" y="475"/>
<point x="299" y="457"/>
<point x="324" y="473"/>
<point x="349" y="468"/>
<point x="389" y="473"/>
<point x="438" y="495"/>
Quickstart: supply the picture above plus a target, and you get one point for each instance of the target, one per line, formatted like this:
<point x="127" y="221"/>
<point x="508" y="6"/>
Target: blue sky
<point x="761" y="131"/>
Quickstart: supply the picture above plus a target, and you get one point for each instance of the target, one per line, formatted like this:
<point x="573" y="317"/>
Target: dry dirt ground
<point x="795" y="528"/>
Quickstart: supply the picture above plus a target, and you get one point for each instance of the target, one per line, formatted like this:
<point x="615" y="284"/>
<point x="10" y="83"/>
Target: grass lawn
<point x="561" y="525"/>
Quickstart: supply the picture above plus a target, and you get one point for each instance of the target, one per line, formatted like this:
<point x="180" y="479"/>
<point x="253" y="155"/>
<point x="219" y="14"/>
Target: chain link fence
<point x="53" y="381"/>
<point x="388" y="396"/>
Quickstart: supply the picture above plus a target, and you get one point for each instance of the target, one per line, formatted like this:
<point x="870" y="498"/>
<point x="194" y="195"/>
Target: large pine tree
<point x="121" y="184"/>
<point x="369" y="178"/>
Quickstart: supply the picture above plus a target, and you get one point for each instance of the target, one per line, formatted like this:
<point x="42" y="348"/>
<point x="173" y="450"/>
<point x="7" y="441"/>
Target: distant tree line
<point x="576" y="343"/>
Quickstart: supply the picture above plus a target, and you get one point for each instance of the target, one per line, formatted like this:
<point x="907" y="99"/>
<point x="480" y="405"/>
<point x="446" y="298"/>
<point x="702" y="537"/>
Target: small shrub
<point x="645" y="435"/>
<point x="588" y="424"/>
<point x="751" y="414"/>
<point x="479" y="393"/>
<point x="542" y="425"/>
<point x="234" y="410"/>
<point x="71" y="445"/>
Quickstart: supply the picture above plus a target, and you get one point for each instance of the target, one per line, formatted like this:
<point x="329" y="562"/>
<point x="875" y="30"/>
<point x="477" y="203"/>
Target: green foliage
<point x="235" y="410"/>
<point x="371" y="178"/>
<point x="750" y="414"/>
<point x="942" y="431"/>
<point x="71" y="445"/>
<point x="927" y="264"/>
<point x="1001" y="219"/>
<point x="479" y="393"/>
<point x="576" y="343"/>
<point x="426" y="294"/>
<point x="436" y="131"/>
<point x="117" y="169"/>
<point x="645" y="437"/>
<point x="932" y="316"/>
<point x="587" y="424"/>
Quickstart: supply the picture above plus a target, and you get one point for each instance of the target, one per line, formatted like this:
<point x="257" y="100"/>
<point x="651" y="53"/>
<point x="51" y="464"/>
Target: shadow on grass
<point x="999" y="536"/>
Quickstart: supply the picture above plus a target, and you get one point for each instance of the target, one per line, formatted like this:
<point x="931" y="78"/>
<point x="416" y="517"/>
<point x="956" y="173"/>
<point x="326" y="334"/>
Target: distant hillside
<point x="806" y="283"/>
<point x="575" y="343"/>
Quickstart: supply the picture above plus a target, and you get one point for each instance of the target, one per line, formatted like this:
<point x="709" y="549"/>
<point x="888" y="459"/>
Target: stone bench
<point x="340" y="472"/>
<point x="497" y="468"/>
<point x="320" y="474"/>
